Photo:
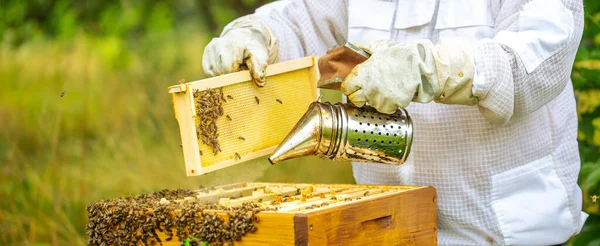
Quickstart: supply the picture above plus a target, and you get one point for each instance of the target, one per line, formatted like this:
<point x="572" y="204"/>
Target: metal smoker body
<point x="346" y="132"/>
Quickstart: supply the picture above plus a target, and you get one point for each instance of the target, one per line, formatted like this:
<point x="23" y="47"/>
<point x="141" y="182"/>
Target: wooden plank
<point x="314" y="76"/>
<point x="376" y="186"/>
<point x="243" y="158"/>
<point x="214" y="197"/>
<point x="236" y="185"/>
<point x="351" y="195"/>
<point x="243" y="76"/>
<point x="300" y="230"/>
<point x="406" y="218"/>
<point x="264" y="198"/>
<point x="298" y="201"/>
<point x="184" y="113"/>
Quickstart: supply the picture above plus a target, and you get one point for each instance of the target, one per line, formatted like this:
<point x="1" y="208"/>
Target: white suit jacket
<point x="505" y="170"/>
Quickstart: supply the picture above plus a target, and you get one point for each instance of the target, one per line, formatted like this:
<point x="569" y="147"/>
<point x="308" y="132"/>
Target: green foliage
<point x="586" y="81"/>
<point x="187" y="241"/>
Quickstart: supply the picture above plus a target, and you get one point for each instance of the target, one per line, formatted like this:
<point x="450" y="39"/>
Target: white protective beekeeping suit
<point x="506" y="169"/>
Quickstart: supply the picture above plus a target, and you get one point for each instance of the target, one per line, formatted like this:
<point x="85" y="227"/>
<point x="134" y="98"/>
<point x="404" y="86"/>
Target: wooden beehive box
<point x="315" y="214"/>
<point x="251" y="121"/>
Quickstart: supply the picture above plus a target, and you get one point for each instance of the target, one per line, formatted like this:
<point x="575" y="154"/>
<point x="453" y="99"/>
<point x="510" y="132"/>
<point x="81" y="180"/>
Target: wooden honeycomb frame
<point x="302" y="72"/>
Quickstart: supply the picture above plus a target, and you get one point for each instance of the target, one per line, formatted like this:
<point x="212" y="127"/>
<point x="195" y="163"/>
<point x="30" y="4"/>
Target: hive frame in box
<point x="394" y="215"/>
<point x="185" y="111"/>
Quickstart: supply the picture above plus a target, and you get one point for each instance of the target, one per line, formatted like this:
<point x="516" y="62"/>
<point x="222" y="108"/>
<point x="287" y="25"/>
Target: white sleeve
<point x="305" y="27"/>
<point x="528" y="62"/>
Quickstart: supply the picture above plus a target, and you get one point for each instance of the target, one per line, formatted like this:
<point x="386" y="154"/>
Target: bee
<point x="200" y="152"/>
<point x="181" y="81"/>
<point x="229" y="97"/>
<point x="62" y="94"/>
<point x="241" y="138"/>
<point x="203" y="101"/>
<point x="237" y="156"/>
<point x="228" y="117"/>
<point x="594" y="198"/>
<point x="279" y="101"/>
<point x="252" y="228"/>
<point x="222" y="97"/>
<point x="257" y="100"/>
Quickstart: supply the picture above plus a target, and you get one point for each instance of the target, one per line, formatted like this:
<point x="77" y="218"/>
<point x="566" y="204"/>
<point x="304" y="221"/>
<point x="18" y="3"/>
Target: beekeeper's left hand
<point x="397" y="74"/>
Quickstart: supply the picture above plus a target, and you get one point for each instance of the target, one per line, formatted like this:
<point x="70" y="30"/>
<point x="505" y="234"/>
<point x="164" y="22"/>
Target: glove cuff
<point x="455" y="71"/>
<point x="257" y="26"/>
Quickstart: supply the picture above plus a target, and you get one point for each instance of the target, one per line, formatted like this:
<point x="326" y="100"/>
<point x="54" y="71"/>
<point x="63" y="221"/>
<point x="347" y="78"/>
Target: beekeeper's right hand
<point x="243" y="43"/>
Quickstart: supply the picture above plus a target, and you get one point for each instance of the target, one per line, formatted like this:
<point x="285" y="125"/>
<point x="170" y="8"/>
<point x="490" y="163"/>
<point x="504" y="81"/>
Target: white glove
<point x="400" y="73"/>
<point x="245" y="42"/>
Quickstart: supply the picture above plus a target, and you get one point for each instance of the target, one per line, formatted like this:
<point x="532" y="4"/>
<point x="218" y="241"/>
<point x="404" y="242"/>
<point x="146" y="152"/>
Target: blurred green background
<point x="113" y="133"/>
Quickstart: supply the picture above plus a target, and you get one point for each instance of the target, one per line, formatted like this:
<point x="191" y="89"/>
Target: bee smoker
<point x="346" y="132"/>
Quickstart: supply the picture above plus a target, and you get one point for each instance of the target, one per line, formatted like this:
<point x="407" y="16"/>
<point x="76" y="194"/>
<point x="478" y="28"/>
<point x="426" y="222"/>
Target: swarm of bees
<point x="136" y="220"/>
<point x="209" y="107"/>
<point x="180" y="215"/>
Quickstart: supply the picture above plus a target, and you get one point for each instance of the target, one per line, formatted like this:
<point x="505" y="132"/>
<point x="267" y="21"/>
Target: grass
<point x="112" y="134"/>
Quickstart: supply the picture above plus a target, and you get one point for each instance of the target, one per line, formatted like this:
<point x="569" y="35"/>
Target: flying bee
<point x="279" y="101"/>
<point x="594" y="198"/>
<point x="241" y="138"/>
<point x="237" y="156"/>
<point x="181" y="81"/>
<point x="62" y="94"/>
<point x="257" y="100"/>
<point x="229" y="97"/>
<point x="228" y="117"/>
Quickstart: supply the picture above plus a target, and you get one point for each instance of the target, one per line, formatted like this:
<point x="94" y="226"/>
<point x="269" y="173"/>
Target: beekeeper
<point x="499" y="143"/>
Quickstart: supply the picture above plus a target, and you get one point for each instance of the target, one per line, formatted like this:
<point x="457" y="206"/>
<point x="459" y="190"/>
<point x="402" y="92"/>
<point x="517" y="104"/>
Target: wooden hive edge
<point x="412" y="220"/>
<point x="243" y="76"/>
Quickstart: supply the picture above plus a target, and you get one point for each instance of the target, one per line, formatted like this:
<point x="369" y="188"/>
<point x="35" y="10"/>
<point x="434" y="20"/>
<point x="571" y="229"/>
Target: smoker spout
<point x="303" y="139"/>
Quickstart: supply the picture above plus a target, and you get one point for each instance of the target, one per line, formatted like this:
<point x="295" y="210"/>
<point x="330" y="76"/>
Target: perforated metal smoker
<point x="346" y="132"/>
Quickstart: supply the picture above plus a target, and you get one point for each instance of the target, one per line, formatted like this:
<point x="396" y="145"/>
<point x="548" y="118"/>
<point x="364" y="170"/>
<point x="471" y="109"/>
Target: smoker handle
<point x="337" y="64"/>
